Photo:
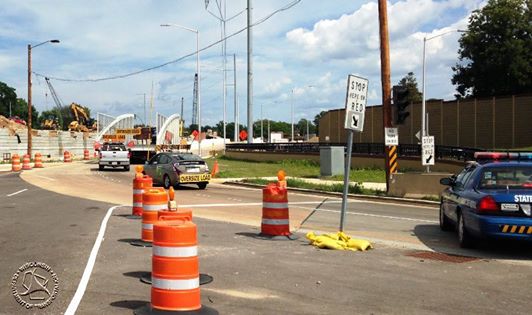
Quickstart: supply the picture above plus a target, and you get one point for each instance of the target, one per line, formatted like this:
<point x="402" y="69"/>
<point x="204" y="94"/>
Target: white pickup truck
<point x="114" y="155"/>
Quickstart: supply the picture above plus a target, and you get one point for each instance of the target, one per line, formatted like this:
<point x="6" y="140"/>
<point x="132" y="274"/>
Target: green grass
<point x="353" y="188"/>
<point x="230" y="168"/>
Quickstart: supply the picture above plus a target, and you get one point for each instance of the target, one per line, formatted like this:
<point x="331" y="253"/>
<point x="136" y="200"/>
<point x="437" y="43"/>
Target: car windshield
<point x="187" y="157"/>
<point x="518" y="177"/>
<point x="114" y="147"/>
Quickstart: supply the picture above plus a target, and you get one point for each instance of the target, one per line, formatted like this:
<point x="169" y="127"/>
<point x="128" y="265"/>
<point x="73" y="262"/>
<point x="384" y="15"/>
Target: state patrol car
<point x="490" y="198"/>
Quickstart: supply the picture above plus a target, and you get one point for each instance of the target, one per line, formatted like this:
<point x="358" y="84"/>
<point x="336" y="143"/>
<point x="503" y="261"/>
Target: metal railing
<point x="373" y="149"/>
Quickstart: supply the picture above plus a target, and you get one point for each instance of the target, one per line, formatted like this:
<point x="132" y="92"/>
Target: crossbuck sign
<point x="355" y="104"/>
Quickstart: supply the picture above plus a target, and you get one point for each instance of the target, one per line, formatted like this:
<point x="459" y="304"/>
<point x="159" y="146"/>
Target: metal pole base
<point x="148" y="310"/>
<point x="140" y="243"/>
<point x="290" y="237"/>
<point x="203" y="278"/>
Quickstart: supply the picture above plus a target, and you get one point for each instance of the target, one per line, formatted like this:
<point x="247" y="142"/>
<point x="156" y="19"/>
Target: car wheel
<point x="100" y="167"/>
<point x="126" y="168"/>
<point x="464" y="238"/>
<point x="166" y="182"/>
<point x="202" y="185"/>
<point x="445" y="223"/>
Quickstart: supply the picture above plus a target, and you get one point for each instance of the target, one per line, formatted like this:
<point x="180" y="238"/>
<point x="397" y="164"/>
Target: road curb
<point x="353" y="196"/>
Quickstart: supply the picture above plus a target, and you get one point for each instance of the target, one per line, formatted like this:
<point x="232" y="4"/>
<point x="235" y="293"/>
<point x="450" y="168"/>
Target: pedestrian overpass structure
<point x="169" y="130"/>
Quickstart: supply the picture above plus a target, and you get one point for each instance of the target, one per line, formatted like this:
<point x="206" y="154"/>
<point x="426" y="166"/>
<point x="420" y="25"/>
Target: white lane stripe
<point x="74" y="303"/>
<point x="275" y="205"/>
<point x="276" y="221"/>
<point x="166" y="284"/>
<point x="17" y="192"/>
<point x="252" y="204"/>
<point x="155" y="207"/>
<point x="371" y="215"/>
<point x="185" y="251"/>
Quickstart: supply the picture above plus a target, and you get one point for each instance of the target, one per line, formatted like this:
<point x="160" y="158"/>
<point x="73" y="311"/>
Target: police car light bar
<point x="503" y="156"/>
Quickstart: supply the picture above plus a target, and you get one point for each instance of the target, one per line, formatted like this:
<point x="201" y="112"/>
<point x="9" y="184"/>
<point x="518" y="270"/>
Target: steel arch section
<point x="172" y="124"/>
<point x="125" y="121"/>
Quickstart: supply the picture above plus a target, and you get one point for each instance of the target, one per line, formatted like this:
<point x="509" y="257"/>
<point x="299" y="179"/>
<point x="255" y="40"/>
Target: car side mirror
<point x="447" y="181"/>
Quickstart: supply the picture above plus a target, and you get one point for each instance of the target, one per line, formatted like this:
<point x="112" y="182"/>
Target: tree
<point x="495" y="55"/>
<point x="317" y="121"/>
<point x="410" y="82"/>
<point x="8" y="98"/>
<point x="302" y="127"/>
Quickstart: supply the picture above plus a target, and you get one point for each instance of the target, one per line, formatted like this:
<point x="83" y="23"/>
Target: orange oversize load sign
<point x="114" y="138"/>
<point x="132" y="131"/>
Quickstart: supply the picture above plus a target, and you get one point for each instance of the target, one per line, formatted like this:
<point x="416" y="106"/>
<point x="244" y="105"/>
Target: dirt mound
<point x="12" y="126"/>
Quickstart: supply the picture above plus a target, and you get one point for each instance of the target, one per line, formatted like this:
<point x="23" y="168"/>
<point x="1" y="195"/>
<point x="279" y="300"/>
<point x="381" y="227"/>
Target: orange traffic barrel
<point x="153" y="201"/>
<point x="180" y="214"/>
<point x="139" y="185"/>
<point x="86" y="155"/>
<point x="275" y="216"/>
<point x="38" y="161"/>
<point x="15" y="163"/>
<point x="67" y="158"/>
<point x="26" y="162"/>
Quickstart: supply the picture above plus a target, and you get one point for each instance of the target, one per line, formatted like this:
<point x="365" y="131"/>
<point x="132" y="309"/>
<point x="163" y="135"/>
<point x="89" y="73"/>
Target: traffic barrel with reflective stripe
<point x="67" y="158"/>
<point x="275" y="217"/>
<point x="139" y="185"/>
<point x="175" y="267"/>
<point x="15" y="163"/>
<point x="38" y="161"/>
<point x="86" y="155"/>
<point x="26" y="163"/>
<point x="153" y="201"/>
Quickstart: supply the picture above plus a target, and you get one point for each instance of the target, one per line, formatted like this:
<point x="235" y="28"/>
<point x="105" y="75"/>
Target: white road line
<point x="73" y="306"/>
<point x="48" y="178"/>
<point x="208" y="205"/>
<point x="370" y="215"/>
<point x="17" y="192"/>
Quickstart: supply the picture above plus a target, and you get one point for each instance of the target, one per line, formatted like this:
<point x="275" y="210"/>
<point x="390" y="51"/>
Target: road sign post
<point x="355" y="109"/>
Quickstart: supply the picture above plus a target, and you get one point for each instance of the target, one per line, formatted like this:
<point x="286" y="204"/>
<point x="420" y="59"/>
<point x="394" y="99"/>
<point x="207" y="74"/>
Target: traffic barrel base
<point x="148" y="310"/>
<point x="290" y="237"/>
<point x="140" y="243"/>
<point x="203" y="278"/>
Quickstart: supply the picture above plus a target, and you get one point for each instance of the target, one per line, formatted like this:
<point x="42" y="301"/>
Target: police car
<point x="490" y="198"/>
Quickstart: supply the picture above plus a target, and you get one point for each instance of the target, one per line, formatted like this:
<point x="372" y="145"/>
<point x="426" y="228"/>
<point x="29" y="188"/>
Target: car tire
<point x="445" y="223"/>
<point x="126" y="168"/>
<point x="464" y="238"/>
<point x="202" y="185"/>
<point x="166" y="181"/>
<point x="100" y="167"/>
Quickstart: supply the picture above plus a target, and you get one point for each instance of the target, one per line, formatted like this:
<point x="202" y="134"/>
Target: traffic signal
<point x="401" y="96"/>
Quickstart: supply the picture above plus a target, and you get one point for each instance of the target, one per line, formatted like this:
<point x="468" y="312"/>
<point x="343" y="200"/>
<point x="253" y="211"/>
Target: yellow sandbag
<point x="340" y="241"/>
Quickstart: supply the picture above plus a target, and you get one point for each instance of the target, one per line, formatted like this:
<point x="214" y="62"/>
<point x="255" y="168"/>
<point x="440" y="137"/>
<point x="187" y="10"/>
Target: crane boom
<point x="57" y="100"/>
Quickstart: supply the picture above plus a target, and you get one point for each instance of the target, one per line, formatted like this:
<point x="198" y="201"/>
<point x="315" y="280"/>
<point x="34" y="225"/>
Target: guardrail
<point x="373" y="149"/>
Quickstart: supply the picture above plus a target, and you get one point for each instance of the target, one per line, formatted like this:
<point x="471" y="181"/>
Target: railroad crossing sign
<point x="355" y="103"/>
<point x="391" y="136"/>
<point x="427" y="150"/>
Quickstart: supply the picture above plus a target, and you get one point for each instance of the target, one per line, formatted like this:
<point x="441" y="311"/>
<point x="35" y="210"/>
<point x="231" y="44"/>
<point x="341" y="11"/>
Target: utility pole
<point x="182" y="120"/>
<point x="385" y="79"/>
<point x="250" y="76"/>
<point x="236" y="127"/>
<point x="29" y="100"/>
<point x="261" y="128"/>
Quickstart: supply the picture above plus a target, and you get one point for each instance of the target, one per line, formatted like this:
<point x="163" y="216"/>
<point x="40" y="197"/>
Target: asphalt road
<point x="402" y="275"/>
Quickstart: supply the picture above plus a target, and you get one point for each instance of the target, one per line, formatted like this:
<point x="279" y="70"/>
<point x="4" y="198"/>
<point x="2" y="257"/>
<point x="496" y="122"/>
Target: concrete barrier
<point x="417" y="185"/>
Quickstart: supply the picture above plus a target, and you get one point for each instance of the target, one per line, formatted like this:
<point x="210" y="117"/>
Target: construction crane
<point x="58" y="121"/>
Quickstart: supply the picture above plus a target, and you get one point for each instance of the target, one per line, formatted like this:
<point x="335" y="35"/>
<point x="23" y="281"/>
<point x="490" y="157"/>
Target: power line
<point x="122" y="76"/>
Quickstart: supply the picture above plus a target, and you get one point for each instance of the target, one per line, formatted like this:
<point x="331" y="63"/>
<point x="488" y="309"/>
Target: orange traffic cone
<point x="215" y="169"/>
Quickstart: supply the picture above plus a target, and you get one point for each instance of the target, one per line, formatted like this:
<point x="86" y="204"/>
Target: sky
<point x="301" y="56"/>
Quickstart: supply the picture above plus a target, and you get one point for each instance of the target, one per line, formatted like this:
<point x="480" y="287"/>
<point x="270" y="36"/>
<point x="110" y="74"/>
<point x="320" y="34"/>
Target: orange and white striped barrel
<point x="139" y="184"/>
<point x="86" y="155"/>
<point x="175" y="267"/>
<point x="275" y="218"/>
<point x="15" y="163"/>
<point x="38" y="161"/>
<point x="180" y="214"/>
<point x="67" y="158"/>
<point x="26" y="162"/>
<point x="153" y="201"/>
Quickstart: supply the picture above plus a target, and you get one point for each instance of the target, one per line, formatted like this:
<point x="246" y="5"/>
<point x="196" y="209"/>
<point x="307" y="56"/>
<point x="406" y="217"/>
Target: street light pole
<point x="199" y="76"/>
<point x="424" y="124"/>
<point x="30" y="47"/>
<point x="292" y="112"/>
<point x="261" y="127"/>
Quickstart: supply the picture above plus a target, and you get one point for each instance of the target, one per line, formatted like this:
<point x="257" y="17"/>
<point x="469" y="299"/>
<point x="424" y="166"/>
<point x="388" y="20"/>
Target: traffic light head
<point x="401" y="100"/>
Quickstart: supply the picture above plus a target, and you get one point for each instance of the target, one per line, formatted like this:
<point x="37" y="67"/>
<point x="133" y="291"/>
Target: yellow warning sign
<point x="132" y="131"/>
